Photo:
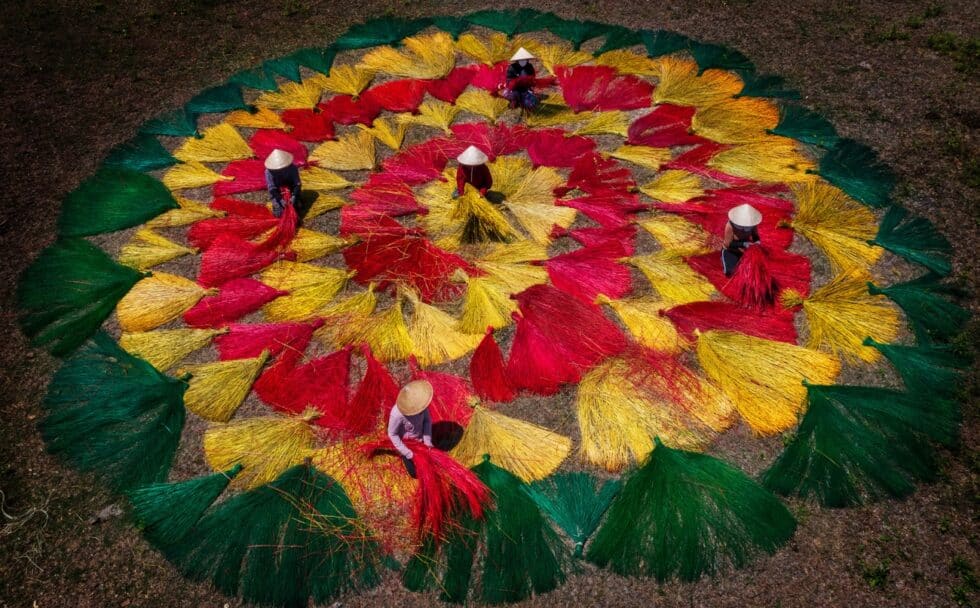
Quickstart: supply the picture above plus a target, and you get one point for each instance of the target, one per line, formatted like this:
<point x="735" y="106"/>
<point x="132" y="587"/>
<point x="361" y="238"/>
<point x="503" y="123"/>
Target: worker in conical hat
<point x="473" y="170"/>
<point x="741" y="232"/>
<point x="410" y="419"/>
<point x="519" y="81"/>
<point x="281" y="174"/>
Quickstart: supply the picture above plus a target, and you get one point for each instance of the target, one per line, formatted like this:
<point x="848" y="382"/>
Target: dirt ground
<point x="80" y="76"/>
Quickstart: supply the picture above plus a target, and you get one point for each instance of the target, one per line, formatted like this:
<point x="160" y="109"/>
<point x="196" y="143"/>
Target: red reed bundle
<point x="487" y="371"/>
<point x="231" y="257"/>
<point x="787" y="270"/>
<point x="772" y="324"/>
<point x="601" y="88"/>
<point x="666" y="126"/>
<point x="309" y="125"/>
<point x="589" y="271"/>
<point x="446" y="489"/>
<point x="609" y="210"/>
<point x="577" y="327"/>
<point x="346" y="110"/>
<point x="624" y="235"/>
<point x="236" y="299"/>
<point x="489" y="77"/>
<point x="396" y="95"/>
<point x="536" y="364"/>
<point x="382" y="195"/>
<point x="247" y="340"/>
<point x="320" y="384"/>
<point x="264" y="141"/>
<point x="453" y="84"/>
<point x="407" y="259"/>
<point x="553" y="148"/>
<point x="244" y="220"/>
<point x="451" y="395"/>
<point x="249" y="176"/>
<point x="419" y="164"/>
<point x="752" y="284"/>
<point x="375" y="395"/>
<point x="493" y="140"/>
<point x="594" y="174"/>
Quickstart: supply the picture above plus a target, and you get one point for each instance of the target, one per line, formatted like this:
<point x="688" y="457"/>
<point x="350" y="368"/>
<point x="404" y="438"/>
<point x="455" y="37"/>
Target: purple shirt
<point x="418" y="426"/>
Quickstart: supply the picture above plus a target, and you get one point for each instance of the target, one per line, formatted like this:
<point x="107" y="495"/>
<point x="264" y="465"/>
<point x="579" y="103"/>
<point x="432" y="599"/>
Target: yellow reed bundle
<point x="323" y="204"/>
<point x="165" y="348"/>
<point x="838" y="225"/>
<point x="265" y="446"/>
<point x="321" y="180"/>
<point x="484" y="220"/>
<point x="434" y="336"/>
<point x="188" y="212"/>
<point x="312" y="244"/>
<point x="842" y="313"/>
<point x="508" y="266"/>
<point x="350" y="152"/>
<point x="677" y="235"/>
<point x="679" y="83"/>
<point x="773" y="159"/>
<point x="388" y="134"/>
<point x="432" y="113"/>
<point x="738" y="120"/>
<point x="508" y="173"/>
<point x="295" y="95"/>
<point x="644" y="156"/>
<point x="628" y="62"/>
<point x="217" y="144"/>
<point x="156" y="300"/>
<point x="614" y="123"/>
<point x="619" y="419"/>
<point x="218" y="388"/>
<point x="555" y="115"/>
<point x="699" y="397"/>
<point x="533" y="205"/>
<point x="263" y="118"/>
<point x="675" y="281"/>
<point x="379" y="490"/>
<point x="674" y="186"/>
<point x="648" y="327"/>
<point x="310" y="289"/>
<point x="347" y="79"/>
<point x="191" y="175"/>
<point x="387" y="334"/>
<point x="763" y="378"/>
<point x="147" y="249"/>
<point x="552" y="55"/>
<point x="527" y="450"/>
<point x="482" y="103"/>
<point x="345" y="320"/>
<point x="429" y="56"/>
<point x="497" y="47"/>
<point x="487" y="304"/>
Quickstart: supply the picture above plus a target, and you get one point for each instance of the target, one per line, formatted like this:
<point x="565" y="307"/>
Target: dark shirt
<point x="287" y="177"/>
<point x="476" y="175"/>
<point x="515" y="70"/>
<point x="736" y="237"/>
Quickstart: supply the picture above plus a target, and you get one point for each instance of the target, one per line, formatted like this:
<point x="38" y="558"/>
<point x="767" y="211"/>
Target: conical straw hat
<point x="472" y="156"/>
<point x="414" y="397"/>
<point x="745" y="215"/>
<point x="522" y="53"/>
<point x="279" y="159"/>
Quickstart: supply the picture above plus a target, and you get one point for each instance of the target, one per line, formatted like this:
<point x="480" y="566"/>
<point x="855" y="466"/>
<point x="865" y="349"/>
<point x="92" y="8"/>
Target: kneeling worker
<point x="410" y="419"/>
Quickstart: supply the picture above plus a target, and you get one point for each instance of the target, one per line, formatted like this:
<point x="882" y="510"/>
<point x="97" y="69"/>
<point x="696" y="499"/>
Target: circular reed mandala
<point x="570" y="320"/>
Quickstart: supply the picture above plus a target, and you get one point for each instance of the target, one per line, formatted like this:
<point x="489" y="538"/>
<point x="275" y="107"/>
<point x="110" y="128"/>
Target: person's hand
<point x="483" y="191"/>
<point x="410" y="455"/>
<point x="455" y="193"/>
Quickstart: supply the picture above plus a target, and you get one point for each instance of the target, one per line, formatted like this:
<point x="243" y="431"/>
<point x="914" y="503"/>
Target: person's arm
<point x="726" y="240"/>
<point x="485" y="181"/>
<point x="427" y="429"/>
<point x="460" y="180"/>
<point x="270" y="184"/>
<point x="394" y="421"/>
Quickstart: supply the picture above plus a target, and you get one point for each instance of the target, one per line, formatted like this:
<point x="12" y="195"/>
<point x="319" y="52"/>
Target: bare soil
<point x="79" y="76"/>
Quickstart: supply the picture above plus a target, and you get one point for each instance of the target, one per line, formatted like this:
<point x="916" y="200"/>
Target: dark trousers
<point x="409" y="466"/>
